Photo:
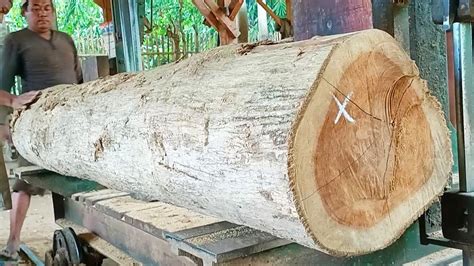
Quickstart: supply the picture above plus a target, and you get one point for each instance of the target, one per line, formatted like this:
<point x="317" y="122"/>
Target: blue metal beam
<point x="127" y="27"/>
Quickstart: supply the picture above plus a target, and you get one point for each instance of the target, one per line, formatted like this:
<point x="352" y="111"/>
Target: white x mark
<point x="342" y="109"/>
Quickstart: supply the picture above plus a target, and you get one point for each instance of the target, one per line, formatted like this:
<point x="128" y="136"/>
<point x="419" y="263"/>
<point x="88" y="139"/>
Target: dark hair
<point x="25" y="6"/>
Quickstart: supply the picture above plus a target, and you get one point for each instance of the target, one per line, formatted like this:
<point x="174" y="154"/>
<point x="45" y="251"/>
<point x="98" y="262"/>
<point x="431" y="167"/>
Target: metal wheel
<point x="66" y="247"/>
<point x="48" y="258"/>
<point x="61" y="259"/>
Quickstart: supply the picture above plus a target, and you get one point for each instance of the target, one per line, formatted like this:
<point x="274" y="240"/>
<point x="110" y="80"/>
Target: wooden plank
<point x="221" y="16"/>
<point x="321" y="17"/>
<point x="85" y="196"/>
<point x="167" y="218"/>
<point x="203" y="230"/>
<point x="289" y="11"/>
<point x="117" y="207"/>
<point x="95" y="199"/>
<point x="152" y="217"/>
<point x="235" y="8"/>
<point x="270" y="12"/>
<point x="236" y="242"/>
<point x="208" y="15"/>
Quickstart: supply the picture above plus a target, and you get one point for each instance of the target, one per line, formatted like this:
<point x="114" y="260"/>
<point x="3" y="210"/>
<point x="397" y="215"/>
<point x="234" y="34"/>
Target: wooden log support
<point x="224" y="23"/>
<point x="289" y="11"/>
<point x="336" y="144"/>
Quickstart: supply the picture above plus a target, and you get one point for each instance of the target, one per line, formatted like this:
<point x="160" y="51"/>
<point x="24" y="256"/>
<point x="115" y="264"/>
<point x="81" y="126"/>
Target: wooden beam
<point x="106" y="6"/>
<point x="289" y="11"/>
<point x="224" y="3"/>
<point x="221" y="16"/>
<point x="235" y="8"/>
<point x="270" y="12"/>
<point x="210" y="17"/>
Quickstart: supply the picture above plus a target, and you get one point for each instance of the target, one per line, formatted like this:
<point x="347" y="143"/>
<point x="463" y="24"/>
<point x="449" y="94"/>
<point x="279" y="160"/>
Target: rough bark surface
<point x="334" y="143"/>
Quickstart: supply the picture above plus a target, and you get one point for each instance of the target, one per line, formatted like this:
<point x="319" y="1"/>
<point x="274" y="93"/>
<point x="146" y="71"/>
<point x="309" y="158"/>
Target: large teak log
<point x="334" y="143"/>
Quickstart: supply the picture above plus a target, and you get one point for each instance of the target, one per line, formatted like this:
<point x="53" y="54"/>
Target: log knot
<point x="100" y="145"/>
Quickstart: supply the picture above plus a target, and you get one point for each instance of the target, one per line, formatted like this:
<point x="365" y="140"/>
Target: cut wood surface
<point x="334" y="143"/>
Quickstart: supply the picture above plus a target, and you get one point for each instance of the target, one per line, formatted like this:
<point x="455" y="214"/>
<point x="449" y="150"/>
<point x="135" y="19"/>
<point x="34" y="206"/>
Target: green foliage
<point x="278" y="6"/>
<point x="76" y="17"/>
<point x="79" y="17"/>
<point x="83" y="17"/>
<point x="183" y="13"/>
<point x="168" y="18"/>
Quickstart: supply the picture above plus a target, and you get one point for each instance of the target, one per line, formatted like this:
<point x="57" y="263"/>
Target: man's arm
<point x="9" y="65"/>
<point x="10" y="100"/>
<point x="9" y="68"/>
<point x="5" y="6"/>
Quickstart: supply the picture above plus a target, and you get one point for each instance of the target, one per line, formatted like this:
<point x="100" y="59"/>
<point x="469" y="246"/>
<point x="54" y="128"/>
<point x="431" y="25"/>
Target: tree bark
<point x="334" y="143"/>
<point x="243" y="24"/>
<point x="173" y="33"/>
<point x="196" y="38"/>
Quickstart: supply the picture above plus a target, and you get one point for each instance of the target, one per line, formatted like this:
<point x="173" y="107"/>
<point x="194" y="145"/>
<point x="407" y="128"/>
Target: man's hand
<point x="24" y="99"/>
<point x="5" y="6"/>
<point x="5" y="135"/>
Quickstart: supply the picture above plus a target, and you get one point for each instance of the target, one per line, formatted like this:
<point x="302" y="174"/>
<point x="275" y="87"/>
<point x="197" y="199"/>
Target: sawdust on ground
<point x="39" y="226"/>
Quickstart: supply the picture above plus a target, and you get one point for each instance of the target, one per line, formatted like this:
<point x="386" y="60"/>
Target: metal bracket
<point x="465" y="11"/>
<point x="457" y="216"/>
<point x="447" y="12"/>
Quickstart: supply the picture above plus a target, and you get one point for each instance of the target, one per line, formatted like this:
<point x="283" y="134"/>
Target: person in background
<point x="5" y="6"/>
<point x="43" y="58"/>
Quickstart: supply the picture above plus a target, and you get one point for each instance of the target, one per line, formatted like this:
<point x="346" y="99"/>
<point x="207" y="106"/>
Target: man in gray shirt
<point x="42" y="58"/>
<point x="5" y="6"/>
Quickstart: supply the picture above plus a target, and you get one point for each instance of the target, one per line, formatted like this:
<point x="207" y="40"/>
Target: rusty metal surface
<point x="321" y="17"/>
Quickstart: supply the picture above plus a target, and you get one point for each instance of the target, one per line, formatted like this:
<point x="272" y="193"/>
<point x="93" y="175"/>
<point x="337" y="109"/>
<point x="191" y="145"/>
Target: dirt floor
<point x="39" y="226"/>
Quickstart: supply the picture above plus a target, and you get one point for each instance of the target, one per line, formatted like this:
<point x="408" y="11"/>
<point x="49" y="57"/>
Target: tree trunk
<point x="243" y="23"/>
<point x="180" y="30"/>
<point x="334" y="143"/>
<point x="173" y="33"/>
<point x="196" y="38"/>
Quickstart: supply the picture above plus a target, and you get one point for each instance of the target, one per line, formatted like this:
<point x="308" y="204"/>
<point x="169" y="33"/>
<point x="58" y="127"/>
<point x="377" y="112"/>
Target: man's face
<point x="39" y="15"/>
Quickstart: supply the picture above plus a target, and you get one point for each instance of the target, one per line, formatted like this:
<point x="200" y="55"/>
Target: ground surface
<point x="39" y="226"/>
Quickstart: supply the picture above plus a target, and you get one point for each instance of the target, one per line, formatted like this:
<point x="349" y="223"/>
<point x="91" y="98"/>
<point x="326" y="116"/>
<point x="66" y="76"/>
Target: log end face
<point x="364" y="171"/>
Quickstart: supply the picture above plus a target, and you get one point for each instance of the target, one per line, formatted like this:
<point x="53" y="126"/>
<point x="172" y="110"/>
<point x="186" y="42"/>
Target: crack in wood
<point x="206" y="132"/>
<point x="351" y="101"/>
